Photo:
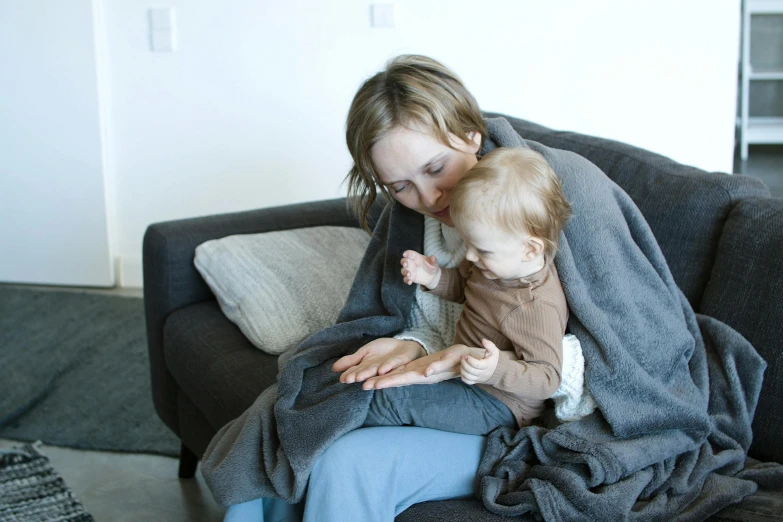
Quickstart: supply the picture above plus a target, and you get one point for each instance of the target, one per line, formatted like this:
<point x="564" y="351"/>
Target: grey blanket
<point x="676" y="392"/>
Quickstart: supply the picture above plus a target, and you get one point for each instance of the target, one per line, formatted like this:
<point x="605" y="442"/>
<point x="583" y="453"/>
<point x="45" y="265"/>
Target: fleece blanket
<point x="676" y="392"/>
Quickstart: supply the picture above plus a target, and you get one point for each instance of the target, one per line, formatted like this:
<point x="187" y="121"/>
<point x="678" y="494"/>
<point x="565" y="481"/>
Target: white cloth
<point x="572" y="400"/>
<point x="433" y="323"/>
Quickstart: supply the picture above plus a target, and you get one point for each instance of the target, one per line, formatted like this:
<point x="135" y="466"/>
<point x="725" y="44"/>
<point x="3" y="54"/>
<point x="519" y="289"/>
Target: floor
<point x="120" y="487"/>
<point x="125" y="487"/>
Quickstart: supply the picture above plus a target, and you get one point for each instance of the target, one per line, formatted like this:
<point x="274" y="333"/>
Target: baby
<point x="509" y="209"/>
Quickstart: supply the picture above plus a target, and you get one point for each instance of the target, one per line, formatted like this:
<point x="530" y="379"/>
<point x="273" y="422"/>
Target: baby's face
<point x="499" y="254"/>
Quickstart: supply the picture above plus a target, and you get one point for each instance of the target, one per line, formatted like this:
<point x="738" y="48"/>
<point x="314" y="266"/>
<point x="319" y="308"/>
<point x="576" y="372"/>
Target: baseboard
<point x="129" y="272"/>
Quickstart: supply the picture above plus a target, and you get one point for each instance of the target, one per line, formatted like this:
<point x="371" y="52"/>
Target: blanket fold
<point x="271" y="448"/>
<point x="676" y="392"/>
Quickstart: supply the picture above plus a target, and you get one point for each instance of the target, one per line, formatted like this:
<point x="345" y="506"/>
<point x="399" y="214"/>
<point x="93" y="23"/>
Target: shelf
<point x="765" y="130"/>
<point x="766" y="75"/>
<point x="765" y="6"/>
<point x="761" y="87"/>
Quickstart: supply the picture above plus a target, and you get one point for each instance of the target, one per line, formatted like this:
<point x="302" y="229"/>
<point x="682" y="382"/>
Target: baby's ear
<point x="534" y="247"/>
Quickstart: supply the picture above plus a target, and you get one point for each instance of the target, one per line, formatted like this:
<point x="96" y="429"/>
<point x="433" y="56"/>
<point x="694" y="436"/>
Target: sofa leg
<point x="187" y="462"/>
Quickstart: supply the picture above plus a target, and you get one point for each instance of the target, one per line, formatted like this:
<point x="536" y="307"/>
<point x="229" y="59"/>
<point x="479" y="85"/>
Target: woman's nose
<point x="429" y="197"/>
<point x="471" y="256"/>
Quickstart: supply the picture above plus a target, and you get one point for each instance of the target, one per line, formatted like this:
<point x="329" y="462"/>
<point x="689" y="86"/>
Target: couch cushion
<point x="745" y="291"/>
<point x="197" y="431"/>
<point x="213" y="363"/>
<point x="281" y="287"/>
<point x="684" y="206"/>
<point x="467" y="510"/>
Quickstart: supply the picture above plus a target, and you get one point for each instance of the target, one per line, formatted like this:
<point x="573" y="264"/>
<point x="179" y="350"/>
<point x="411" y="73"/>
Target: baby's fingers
<point x="491" y="349"/>
<point x="467" y="370"/>
<point x="478" y="364"/>
<point x="468" y="378"/>
<point x="412" y="255"/>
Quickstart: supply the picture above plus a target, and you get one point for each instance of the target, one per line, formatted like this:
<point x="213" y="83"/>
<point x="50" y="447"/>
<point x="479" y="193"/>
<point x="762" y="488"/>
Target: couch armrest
<point x="745" y="291"/>
<point x="171" y="281"/>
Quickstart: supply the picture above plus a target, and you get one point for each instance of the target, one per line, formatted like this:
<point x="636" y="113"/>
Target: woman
<point x="413" y="131"/>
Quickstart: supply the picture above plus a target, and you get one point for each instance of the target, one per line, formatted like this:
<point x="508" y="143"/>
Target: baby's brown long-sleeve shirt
<point x="526" y="319"/>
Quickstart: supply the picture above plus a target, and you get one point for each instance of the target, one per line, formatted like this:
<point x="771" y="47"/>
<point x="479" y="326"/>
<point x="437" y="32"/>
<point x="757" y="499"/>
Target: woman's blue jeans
<point x="373" y="474"/>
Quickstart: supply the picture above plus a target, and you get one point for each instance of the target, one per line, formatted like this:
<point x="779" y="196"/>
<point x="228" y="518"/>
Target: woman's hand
<point x="377" y="357"/>
<point x="429" y="369"/>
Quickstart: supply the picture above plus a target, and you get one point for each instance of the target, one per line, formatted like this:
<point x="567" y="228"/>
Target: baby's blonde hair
<point x="412" y="90"/>
<point x="514" y="189"/>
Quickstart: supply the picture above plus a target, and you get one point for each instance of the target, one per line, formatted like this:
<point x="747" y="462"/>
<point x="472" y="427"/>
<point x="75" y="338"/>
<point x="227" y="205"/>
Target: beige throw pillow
<point x="281" y="287"/>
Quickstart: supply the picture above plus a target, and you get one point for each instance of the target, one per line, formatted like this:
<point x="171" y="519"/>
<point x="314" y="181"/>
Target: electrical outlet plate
<point x="382" y="15"/>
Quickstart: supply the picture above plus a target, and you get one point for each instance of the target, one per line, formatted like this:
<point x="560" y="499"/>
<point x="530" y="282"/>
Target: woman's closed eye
<point x="432" y="172"/>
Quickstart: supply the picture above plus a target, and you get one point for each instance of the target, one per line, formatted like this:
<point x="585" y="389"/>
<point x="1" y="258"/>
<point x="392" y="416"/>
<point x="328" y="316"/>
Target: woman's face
<point x="420" y="171"/>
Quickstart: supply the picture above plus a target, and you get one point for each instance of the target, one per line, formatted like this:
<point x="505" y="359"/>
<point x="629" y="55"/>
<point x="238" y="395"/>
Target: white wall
<point x="249" y="111"/>
<point x="53" y="210"/>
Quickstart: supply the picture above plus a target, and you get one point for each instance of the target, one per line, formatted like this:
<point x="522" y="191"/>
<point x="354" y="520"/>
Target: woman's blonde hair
<point x="514" y="189"/>
<point x="411" y="91"/>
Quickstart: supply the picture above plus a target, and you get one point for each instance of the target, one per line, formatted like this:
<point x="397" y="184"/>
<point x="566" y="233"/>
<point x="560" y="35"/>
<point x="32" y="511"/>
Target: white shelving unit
<point x="758" y="129"/>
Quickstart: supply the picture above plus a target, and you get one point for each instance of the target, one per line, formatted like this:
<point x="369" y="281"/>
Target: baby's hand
<point x="419" y="269"/>
<point x="474" y="370"/>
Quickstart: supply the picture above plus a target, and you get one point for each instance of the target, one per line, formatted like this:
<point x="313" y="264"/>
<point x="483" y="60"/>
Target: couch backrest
<point x="746" y="292"/>
<point x="685" y="207"/>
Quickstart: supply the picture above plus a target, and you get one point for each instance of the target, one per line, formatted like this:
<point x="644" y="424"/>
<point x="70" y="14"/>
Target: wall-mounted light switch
<point x="382" y="15"/>
<point x="160" y="18"/>
<point x="162" y="30"/>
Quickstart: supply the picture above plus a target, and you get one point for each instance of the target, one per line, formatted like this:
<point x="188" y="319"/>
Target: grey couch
<point x="722" y="236"/>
